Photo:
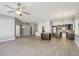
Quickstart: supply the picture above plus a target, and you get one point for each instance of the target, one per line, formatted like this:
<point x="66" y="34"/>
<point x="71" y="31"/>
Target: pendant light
<point x="63" y="25"/>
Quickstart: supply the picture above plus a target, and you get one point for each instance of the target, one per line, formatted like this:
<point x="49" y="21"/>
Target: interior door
<point x="17" y="30"/>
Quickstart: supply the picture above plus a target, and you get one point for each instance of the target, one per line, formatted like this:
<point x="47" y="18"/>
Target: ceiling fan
<point x="19" y="10"/>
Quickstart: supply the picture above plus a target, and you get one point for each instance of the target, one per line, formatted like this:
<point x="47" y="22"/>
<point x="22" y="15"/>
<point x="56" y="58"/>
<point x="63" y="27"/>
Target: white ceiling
<point x="41" y="11"/>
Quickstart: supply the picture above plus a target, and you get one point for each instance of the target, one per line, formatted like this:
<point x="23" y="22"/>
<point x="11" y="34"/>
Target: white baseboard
<point x="7" y="40"/>
<point x="76" y="43"/>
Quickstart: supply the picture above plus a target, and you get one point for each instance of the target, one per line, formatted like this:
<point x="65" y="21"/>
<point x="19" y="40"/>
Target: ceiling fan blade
<point x="9" y="7"/>
<point x="26" y="13"/>
<point x="10" y="11"/>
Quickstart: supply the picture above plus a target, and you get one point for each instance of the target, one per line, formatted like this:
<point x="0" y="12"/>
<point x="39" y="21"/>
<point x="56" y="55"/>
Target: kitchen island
<point x="46" y="36"/>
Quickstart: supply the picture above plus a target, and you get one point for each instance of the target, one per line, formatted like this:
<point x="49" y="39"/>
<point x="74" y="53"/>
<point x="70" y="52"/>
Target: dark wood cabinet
<point x="70" y="36"/>
<point x="69" y="26"/>
<point x="68" y="30"/>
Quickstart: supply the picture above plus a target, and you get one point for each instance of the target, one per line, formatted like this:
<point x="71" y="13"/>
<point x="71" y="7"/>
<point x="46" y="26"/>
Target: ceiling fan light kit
<point x="19" y="10"/>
